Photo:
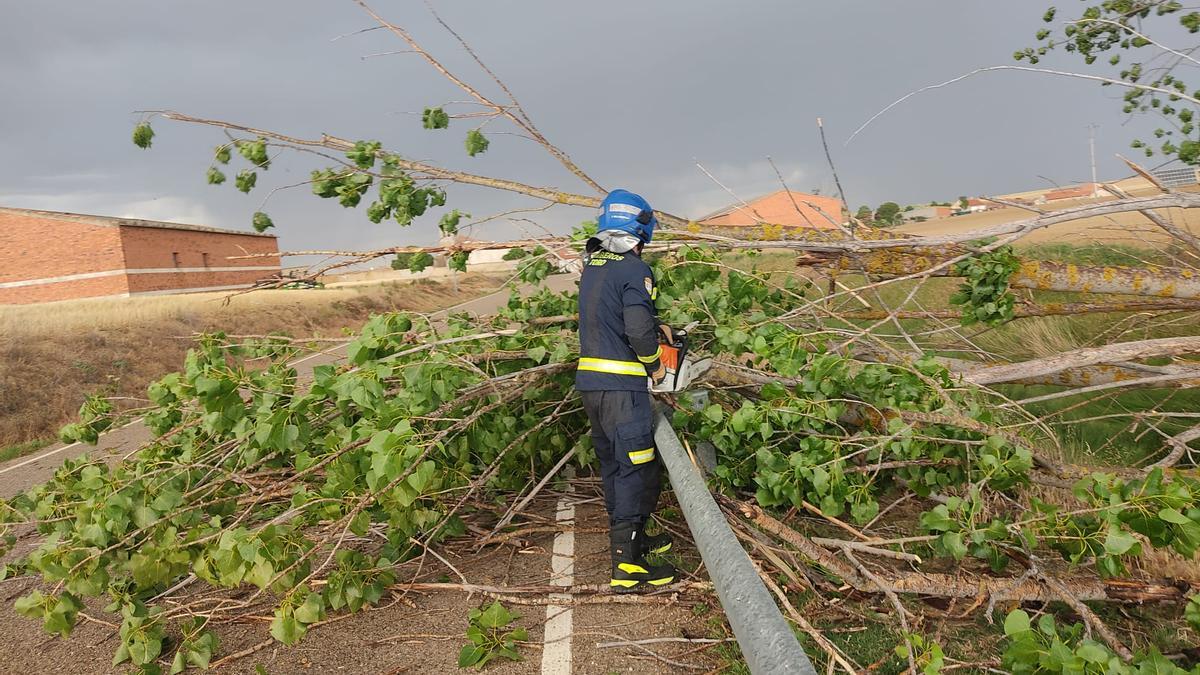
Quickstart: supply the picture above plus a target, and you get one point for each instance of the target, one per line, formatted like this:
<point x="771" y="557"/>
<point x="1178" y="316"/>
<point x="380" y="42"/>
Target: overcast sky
<point x="635" y="92"/>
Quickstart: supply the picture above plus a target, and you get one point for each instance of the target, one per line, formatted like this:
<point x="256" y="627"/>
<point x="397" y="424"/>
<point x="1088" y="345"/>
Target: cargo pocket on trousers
<point x="635" y="442"/>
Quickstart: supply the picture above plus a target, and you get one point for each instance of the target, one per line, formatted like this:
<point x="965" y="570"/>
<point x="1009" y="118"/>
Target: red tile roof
<point x="778" y="208"/>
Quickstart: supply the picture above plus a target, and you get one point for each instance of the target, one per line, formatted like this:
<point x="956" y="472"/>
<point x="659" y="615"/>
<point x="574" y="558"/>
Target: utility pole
<point x="1092" y="146"/>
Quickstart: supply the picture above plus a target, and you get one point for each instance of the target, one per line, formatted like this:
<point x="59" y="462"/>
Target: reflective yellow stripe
<point x="630" y="568"/>
<point x="641" y="456"/>
<point x="623" y="583"/>
<point x="653" y="357"/>
<point x="612" y="366"/>
<point x="654" y="293"/>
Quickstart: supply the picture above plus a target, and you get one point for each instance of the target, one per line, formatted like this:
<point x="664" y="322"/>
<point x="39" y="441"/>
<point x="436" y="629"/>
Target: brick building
<point x="46" y="256"/>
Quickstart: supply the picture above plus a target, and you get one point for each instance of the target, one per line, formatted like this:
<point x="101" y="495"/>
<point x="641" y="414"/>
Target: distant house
<point x="928" y="213"/>
<point x="50" y="255"/>
<point x="1073" y="192"/>
<point x="782" y="208"/>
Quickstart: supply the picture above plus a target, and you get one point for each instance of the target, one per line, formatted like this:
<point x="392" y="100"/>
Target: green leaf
<point x="262" y="222"/>
<point x="143" y="135"/>
<point x="476" y="142"/>
<point x="1173" y="516"/>
<point x="469" y="656"/>
<point x="1093" y="653"/>
<point x="449" y="222"/>
<point x="1118" y="541"/>
<point x="1016" y="623"/>
<point x="536" y="354"/>
<point x="286" y="628"/>
<point x="30" y="605"/>
<point x="144" y="648"/>
<point x="222" y="154"/>
<point x="255" y="152"/>
<point x="215" y="176"/>
<point x="121" y="655"/>
<point x="1192" y="612"/>
<point x="938" y="519"/>
<point x="953" y="541"/>
<point x="245" y="180"/>
<point x="714" y="413"/>
<point x="435" y="118"/>
<point x="311" y="610"/>
<point x="495" y="616"/>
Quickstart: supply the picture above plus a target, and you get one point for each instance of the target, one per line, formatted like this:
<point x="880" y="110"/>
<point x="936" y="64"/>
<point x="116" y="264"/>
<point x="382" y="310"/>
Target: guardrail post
<point x="765" y="637"/>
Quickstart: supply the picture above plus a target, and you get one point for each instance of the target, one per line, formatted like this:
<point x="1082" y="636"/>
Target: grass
<point x="1116" y="440"/>
<point x="53" y="356"/>
<point x="22" y="449"/>
<point x="1100" y="255"/>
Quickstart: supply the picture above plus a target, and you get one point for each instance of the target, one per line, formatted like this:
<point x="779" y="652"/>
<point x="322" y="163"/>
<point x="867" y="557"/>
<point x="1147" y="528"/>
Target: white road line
<point x="556" y="654"/>
<point x="55" y="451"/>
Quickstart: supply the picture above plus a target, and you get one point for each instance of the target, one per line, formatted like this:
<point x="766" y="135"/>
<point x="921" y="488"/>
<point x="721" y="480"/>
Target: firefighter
<point x="618" y="348"/>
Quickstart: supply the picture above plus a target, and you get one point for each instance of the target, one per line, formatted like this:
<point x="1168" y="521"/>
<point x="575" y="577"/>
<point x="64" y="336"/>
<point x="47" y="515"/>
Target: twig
<point x="515" y="509"/>
<point x="1027" y="69"/>
<point x="650" y="641"/>
<point x="901" y="612"/>
<point x="815" y="510"/>
<point x="864" y="548"/>
<point x="836" y="181"/>
<point x="1088" y="616"/>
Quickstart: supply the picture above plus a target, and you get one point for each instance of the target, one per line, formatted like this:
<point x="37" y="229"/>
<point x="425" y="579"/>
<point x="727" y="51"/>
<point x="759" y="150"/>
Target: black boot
<point x="654" y="543"/>
<point x="630" y="570"/>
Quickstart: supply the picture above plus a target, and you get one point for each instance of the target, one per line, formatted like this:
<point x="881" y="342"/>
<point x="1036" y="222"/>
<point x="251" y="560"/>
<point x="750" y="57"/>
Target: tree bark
<point x="1127" y="591"/>
<point x="1080" y="358"/>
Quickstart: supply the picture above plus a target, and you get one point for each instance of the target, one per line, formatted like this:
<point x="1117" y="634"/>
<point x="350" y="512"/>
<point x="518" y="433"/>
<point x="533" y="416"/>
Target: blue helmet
<point x="625" y="211"/>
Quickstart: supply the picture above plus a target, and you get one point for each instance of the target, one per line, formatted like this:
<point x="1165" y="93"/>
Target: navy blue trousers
<point x="623" y="436"/>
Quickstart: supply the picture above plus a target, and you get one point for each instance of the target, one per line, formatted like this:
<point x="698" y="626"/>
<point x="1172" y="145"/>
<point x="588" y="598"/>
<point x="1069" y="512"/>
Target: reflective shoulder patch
<point x="649" y="283"/>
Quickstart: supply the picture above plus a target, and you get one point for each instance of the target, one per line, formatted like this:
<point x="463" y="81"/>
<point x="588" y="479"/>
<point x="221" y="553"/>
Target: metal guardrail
<point x="764" y="635"/>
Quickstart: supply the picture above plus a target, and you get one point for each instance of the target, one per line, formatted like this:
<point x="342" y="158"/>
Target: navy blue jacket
<point x="618" y="323"/>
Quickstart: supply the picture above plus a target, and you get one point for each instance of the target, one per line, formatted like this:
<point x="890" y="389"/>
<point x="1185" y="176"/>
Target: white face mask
<point x="616" y="241"/>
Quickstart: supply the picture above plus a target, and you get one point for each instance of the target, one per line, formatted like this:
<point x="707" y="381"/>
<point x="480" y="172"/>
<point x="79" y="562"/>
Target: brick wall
<point x="150" y="247"/>
<point x="74" y="256"/>
<point x="203" y="258"/>
<point x="35" y="247"/>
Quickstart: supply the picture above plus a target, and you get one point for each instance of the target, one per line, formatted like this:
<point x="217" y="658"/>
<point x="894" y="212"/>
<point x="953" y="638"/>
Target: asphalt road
<point x="424" y="634"/>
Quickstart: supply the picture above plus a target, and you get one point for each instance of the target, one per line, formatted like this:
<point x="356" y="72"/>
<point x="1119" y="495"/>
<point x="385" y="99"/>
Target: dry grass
<point x="1032" y="338"/>
<point x="1122" y="228"/>
<point x="53" y="356"/>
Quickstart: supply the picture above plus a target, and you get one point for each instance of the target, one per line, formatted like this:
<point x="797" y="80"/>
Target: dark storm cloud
<point x="636" y="92"/>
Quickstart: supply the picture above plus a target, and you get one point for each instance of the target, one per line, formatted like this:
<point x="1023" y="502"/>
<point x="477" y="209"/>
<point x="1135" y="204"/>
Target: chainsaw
<point x="681" y="367"/>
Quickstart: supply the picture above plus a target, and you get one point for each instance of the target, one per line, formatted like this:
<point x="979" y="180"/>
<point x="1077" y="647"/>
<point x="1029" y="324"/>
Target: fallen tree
<point x="258" y="496"/>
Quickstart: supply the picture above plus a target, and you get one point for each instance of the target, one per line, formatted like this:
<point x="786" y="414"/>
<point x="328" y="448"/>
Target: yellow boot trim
<point x="662" y="549"/>
<point x="660" y="582"/>
<point x="623" y="583"/>
<point x="630" y="568"/>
